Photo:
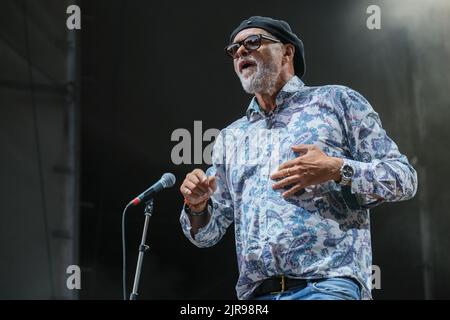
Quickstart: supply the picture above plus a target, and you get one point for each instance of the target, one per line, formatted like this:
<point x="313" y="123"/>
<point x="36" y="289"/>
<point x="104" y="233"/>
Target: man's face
<point x="258" y="70"/>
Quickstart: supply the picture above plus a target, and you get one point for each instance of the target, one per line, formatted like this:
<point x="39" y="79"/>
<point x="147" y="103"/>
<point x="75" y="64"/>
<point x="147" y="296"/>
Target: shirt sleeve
<point x="221" y="212"/>
<point x="381" y="172"/>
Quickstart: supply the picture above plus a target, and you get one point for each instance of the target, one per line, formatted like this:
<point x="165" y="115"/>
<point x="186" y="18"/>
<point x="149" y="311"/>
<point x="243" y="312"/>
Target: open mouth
<point x="243" y="65"/>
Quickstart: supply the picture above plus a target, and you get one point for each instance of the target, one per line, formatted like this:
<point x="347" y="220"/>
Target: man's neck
<point x="267" y="101"/>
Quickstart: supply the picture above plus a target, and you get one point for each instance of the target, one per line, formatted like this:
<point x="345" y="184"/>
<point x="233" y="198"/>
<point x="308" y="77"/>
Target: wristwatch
<point x="347" y="173"/>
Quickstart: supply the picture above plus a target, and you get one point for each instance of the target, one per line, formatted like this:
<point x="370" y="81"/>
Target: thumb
<point x="302" y="148"/>
<point x="212" y="183"/>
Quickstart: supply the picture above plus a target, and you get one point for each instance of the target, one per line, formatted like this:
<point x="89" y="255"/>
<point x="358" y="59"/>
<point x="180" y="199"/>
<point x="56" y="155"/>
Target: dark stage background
<point x="102" y="103"/>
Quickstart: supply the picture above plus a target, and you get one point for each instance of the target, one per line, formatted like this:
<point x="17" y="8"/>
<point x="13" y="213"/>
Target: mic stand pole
<point x="142" y="249"/>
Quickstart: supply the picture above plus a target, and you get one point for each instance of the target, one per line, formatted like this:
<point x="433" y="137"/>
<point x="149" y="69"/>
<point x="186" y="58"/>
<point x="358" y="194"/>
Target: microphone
<point x="167" y="180"/>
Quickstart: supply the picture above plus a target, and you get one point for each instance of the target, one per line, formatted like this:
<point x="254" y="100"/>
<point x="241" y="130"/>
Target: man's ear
<point x="289" y="51"/>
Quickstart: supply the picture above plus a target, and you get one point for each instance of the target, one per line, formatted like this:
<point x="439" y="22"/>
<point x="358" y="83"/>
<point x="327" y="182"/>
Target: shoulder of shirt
<point x="333" y="92"/>
<point x="238" y="124"/>
<point x="343" y="99"/>
<point x="334" y="89"/>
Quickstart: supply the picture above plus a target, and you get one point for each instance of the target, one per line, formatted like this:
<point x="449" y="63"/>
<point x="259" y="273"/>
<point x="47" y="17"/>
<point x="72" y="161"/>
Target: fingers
<point x="303" y="147"/>
<point x="290" y="163"/>
<point x="281" y="173"/>
<point x="287" y="164"/>
<point x="292" y="176"/>
<point x="293" y="190"/>
<point x="287" y="182"/>
<point x="212" y="182"/>
<point x="202" y="187"/>
<point x="194" y="197"/>
<point x="185" y="191"/>
<point x="200" y="175"/>
<point x="193" y="189"/>
<point x="286" y="172"/>
<point x="200" y="199"/>
<point x="197" y="187"/>
<point x="199" y="179"/>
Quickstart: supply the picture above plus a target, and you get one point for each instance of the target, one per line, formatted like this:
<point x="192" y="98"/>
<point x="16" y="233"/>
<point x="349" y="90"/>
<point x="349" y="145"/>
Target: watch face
<point x="347" y="171"/>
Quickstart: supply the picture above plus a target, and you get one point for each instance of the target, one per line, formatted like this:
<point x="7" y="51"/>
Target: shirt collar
<point x="287" y="91"/>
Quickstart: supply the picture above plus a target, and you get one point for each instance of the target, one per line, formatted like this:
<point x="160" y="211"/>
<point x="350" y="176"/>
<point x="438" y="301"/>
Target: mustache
<point x="257" y="64"/>
<point x="249" y="59"/>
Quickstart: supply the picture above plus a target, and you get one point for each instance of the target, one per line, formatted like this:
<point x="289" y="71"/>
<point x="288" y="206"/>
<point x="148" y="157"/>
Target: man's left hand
<point x="312" y="167"/>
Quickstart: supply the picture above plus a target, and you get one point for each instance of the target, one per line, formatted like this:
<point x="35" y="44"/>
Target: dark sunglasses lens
<point x="232" y="49"/>
<point x="252" y="42"/>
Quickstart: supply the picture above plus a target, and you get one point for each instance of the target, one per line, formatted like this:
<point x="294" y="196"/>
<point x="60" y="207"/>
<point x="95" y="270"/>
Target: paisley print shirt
<point x="324" y="230"/>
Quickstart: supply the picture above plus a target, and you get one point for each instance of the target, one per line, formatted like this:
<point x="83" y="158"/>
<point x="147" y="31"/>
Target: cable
<point x="124" y="255"/>
<point x="24" y="56"/>
<point x="38" y="149"/>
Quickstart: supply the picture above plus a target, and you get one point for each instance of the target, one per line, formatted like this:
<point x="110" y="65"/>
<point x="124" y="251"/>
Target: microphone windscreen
<point x="168" y="180"/>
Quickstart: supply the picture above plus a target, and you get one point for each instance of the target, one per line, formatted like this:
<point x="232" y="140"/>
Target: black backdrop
<point x="149" y="68"/>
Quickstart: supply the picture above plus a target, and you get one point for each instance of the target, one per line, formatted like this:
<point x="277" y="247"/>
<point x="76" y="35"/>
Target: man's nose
<point x="242" y="52"/>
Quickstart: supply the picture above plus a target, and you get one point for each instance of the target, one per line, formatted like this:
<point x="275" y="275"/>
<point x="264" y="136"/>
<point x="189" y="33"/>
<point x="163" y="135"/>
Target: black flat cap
<point x="282" y="31"/>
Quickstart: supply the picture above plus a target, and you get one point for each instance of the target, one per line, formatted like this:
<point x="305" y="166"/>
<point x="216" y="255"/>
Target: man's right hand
<point x="197" y="188"/>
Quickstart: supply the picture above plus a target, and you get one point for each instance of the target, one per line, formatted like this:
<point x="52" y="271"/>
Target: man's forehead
<point x="246" y="32"/>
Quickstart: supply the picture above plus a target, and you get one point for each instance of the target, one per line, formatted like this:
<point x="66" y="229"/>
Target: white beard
<point x="263" y="80"/>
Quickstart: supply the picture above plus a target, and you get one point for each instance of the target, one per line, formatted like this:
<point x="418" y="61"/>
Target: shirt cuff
<point x="202" y="233"/>
<point x="363" y="178"/>
<point x="364" y="185"/>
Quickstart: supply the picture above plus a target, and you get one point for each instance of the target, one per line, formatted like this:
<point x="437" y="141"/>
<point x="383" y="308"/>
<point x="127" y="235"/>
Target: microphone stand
<point x="142" y="248"/>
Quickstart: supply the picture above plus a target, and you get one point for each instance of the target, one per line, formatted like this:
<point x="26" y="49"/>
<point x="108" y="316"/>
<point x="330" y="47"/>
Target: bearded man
<point x="297" y="175"/>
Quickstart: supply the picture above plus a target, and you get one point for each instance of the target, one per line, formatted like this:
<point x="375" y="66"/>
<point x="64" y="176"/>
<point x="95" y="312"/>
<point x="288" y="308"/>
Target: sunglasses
<point x="250" y="43"/>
